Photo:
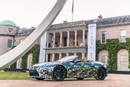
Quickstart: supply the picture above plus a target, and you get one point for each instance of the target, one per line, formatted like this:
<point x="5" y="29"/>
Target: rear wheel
<point x="59" y="73"/>
<point x="101" y="74"/>
<point x="80" y="78"/>
<point x="39" y="78"/>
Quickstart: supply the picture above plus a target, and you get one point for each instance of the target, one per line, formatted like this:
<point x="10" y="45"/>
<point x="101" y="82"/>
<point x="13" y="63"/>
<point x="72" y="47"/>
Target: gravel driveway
<point x="112" y="80"/>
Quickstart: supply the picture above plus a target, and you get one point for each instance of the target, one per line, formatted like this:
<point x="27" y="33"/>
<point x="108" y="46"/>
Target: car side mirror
<point x="77" y="61"/>
<point x="72" y="61"/>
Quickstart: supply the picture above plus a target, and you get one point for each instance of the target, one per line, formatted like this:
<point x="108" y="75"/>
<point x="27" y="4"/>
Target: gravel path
<point x="112" y="80"/>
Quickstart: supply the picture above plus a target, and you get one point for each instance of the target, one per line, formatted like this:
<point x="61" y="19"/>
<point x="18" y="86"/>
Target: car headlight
<point x="105" y="65"/>
<point x="43" y="72"/>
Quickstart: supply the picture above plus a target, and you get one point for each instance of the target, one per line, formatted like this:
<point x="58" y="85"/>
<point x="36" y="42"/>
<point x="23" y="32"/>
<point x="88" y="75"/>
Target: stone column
<point x="60" y="55"/>
<point x="68" y="38"/>
<point x="54" y="37"/>
<point x="75" y="38"/>
<point x="67" y="54"/>
<point x="84" y="36"/>
<point x="47" y="40"/>
<point x="53" y="57"/>
<point x="46" y="60"/>
<point x="75" y="54"/>
<point x="61" y="36"/>
<point x="83" y="55"/>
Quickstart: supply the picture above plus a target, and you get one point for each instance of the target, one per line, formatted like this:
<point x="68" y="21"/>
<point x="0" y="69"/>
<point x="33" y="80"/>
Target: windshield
<point x="68" y="58"/>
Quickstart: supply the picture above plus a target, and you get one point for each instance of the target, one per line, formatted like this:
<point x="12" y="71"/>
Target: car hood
<point x="97" y="63"/>
<point x="48" y="64"/>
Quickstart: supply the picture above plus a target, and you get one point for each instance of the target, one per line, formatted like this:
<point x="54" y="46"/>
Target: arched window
<point x="29" y="60"/>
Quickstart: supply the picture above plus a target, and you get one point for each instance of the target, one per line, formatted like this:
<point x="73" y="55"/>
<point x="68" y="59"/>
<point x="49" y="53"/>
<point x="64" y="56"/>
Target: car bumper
<point x="36" y="74"/>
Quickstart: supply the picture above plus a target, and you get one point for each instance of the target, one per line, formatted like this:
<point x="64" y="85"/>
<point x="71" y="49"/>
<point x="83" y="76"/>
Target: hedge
<point x="35" y="51"/>
<point x="113" y="46"/>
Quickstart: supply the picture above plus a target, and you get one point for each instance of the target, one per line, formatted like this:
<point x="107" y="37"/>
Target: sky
<point x="30" y="13"/>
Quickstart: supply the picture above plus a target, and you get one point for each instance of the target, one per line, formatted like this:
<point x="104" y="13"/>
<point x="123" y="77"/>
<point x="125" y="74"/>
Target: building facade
<point x="10" y="36"/>
<point x="66" y="39"/>
<point x="8" y="30"/>
<point x="71" y="38"/>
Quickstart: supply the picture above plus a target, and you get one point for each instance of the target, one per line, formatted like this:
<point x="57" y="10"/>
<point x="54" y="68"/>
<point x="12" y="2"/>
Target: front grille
<point x="33" y="73"/>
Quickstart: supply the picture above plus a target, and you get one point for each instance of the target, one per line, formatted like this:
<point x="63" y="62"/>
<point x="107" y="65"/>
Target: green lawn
<point x="24" y="76"/>
<point x="14" y="76"/>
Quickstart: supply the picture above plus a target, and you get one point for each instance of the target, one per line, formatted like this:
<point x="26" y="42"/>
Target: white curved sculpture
<point x="14" y="54"/>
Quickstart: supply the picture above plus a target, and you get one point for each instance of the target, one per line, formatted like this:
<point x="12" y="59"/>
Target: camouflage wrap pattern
<point x="74" y="69"/>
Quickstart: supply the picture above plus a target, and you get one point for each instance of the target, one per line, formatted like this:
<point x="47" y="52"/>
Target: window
<point x="9" y="43"/>
<point x="10" y="29"/>
<point x="104" y="36"/>
<point x="49" y="57"/>
<point x="29" y="61"/>
<point x="19" y="63"/>
<point x="103" y="59"/>
<point x="65" y="41"/>
<point x="123" y="36"/>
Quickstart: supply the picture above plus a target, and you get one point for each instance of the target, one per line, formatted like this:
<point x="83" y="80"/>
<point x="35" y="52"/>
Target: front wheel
<point x="101" y="74"/>
<point x="59" y="73"/>
<point x="39" y="78"/>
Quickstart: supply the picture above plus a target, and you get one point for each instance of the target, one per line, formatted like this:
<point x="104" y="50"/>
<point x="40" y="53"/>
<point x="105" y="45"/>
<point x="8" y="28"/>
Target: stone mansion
<point x="71" y="38"/>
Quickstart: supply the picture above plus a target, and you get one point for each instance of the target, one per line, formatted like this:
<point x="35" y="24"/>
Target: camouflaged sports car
<point x="69" y="67"/>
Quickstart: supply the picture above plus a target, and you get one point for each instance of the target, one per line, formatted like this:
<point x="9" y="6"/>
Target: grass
<point x="14" y="76"/>
<point x="24" y="76"/>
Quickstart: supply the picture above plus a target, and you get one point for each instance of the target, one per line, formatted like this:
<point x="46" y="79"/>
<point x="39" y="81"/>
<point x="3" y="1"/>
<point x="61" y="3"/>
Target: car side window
<point x="77" y="60"/>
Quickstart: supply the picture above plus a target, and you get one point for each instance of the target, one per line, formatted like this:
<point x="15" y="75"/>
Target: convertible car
<point x="69" y="67"/>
